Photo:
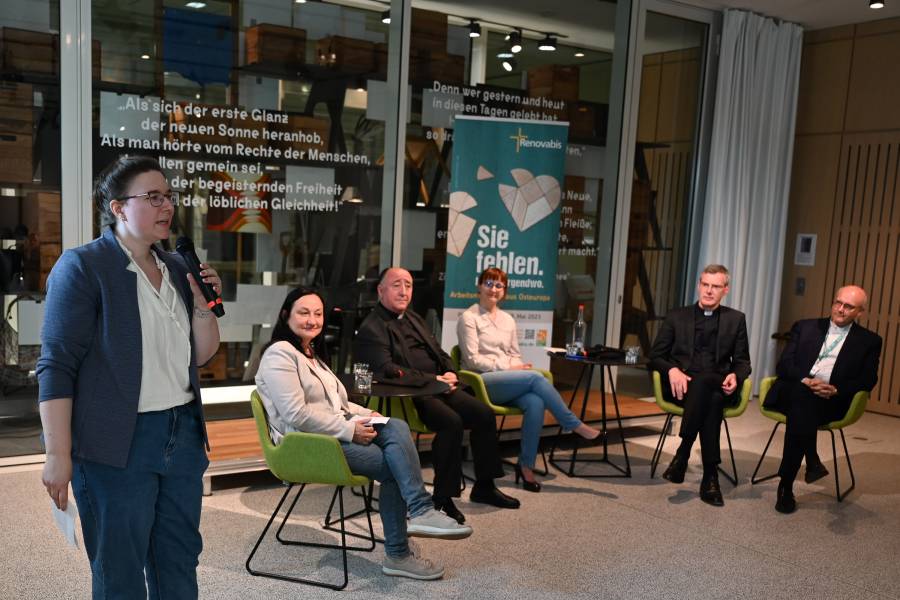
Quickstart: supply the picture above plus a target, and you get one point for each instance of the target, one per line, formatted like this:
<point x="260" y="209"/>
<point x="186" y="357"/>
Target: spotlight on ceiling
<point x="876" y="4"/>
<point x="579" y="53"/>
<point x="548" y="44"/>
<point x="515" y="41"/>
<point x="505" y="53"/>
<point x="197" y="5"/>
<point x="386" y="17"/>
<point x="508" y="64"/>
<point x="474" y="29"/>
<point x="299" y="1"/>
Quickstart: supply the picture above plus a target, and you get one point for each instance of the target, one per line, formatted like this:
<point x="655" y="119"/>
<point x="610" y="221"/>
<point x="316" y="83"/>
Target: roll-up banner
<point x="506" y="192"/>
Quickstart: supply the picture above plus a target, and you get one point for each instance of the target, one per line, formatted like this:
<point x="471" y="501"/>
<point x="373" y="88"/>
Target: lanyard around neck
<point x="828" y="349"/>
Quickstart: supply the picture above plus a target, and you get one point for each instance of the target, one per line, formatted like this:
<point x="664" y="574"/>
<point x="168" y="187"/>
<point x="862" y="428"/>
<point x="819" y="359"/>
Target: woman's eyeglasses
<point x="156" y="198"/>
<point x="493" y="284"/>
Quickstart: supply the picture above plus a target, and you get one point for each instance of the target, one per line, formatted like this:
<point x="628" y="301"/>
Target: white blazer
<point x="486" y="344"/>
<point x="300" y="397"/>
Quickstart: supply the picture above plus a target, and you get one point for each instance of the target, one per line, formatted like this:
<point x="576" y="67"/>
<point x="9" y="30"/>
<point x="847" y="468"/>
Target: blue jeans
<point x="141" y="523"/>
<point x="392" y="460"/>
<point x="533" y="394"/>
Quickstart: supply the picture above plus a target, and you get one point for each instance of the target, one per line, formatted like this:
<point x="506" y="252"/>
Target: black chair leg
<point x="367" y="510"/>
<point x="732" y="478"/>
<point x="837" y="485"/>
<point x="657" y="452"/>
<point x="753" y="478"/>
<point x="342" y="546"/>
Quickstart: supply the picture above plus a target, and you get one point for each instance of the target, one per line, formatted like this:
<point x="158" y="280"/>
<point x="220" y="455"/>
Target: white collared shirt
<point x="165" y="340"/>
<point x="487" y="342"/>
<point x="829" y="351"/>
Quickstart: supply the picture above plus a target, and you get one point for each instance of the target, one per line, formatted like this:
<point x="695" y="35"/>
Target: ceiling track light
<point x="579" y="53"/>
<point x="505" y="53"/>
<point x="876" y="4"/>
<point x="548" y="44"/>
<point x="474" y="29"/>
<point x="509" y="64"/>
<point x="515" y="41"/>
<point x="386" y="17"/>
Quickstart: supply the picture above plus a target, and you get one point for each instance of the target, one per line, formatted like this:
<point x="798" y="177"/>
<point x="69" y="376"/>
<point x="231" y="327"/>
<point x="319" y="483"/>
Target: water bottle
<point x="579" y="330"/>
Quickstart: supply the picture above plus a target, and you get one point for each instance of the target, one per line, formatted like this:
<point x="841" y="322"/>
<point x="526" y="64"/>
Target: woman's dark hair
<point x="114" y="180"/>
<point x="282" y="332"/>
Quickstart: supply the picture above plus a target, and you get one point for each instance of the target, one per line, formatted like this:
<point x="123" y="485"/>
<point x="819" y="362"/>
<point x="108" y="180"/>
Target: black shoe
<point x="675" y="470"/>
<point x="815" y="472"/>
<point x="528" y="486"/>
<point x="710" y="492"/>
<point x="785" y="502"/>
<point x="489" y="494"/>
<point x="449" y="509"/>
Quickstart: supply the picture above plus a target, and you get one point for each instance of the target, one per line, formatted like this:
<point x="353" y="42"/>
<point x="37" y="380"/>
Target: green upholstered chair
<point x="673" y="410"/>
<point x="300" y="459"/>
<point x="476" y="382"/>
<point x="854" y="412"/>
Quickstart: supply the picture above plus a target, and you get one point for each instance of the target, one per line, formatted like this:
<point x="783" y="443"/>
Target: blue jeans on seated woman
<point x="533" y="394"/>
<point x="392" y="460"/>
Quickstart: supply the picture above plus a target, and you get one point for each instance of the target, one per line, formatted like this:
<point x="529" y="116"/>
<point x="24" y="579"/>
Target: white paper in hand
<point x="65" y="520"/>
<point x="371" y="420"/>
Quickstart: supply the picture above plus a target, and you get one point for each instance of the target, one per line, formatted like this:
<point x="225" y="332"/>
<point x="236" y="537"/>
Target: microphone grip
<point x="213" y="301"/>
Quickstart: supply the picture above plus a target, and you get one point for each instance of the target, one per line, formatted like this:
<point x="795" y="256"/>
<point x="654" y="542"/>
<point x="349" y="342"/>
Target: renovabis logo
<point x="522" y="141"/>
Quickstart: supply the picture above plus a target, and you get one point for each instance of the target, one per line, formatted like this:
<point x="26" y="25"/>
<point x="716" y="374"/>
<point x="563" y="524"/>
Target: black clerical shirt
<point x="421" y="356"/>
<point x="706" y="330"/>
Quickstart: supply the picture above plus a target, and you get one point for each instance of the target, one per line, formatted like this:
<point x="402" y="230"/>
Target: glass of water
<point x="363" y="381"/>
<point x="632" y="354"/>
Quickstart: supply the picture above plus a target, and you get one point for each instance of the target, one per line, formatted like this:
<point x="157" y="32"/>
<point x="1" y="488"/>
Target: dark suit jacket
<point x="674" y="344"/>
<point x="855" y="369"/>
<point x="381" y="344"/>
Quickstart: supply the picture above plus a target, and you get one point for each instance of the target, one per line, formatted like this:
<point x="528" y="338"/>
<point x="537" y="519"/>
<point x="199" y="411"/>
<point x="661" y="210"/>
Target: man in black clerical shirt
<point x="702" y="354"/>
<point x="395" y="342"/>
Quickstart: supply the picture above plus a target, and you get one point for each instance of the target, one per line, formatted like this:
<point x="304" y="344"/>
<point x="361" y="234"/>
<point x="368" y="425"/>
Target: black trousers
<point x="703" y="404"/>
<point x="448" y="415"/>
<point x="805" y="413"/>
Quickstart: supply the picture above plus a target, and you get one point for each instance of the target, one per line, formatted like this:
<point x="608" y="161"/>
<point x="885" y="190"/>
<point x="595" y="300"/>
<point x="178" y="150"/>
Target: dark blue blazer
<point x="855" y="369"/>
<point x="91" y="346"/>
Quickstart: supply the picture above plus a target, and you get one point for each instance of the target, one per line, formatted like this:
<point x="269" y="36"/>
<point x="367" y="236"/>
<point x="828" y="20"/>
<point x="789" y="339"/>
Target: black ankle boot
<point x="784" y="500"/>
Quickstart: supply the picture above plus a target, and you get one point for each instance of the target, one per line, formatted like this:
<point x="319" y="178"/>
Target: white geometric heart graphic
<point x="531" y="199"/>
<point x="459" y="226"/>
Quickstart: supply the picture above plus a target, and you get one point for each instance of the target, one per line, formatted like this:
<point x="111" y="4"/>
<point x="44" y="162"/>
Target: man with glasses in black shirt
<point x="702" y="354"/>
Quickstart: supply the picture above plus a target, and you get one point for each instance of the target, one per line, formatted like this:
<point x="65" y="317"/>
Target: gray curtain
<point x="745" y="213"/>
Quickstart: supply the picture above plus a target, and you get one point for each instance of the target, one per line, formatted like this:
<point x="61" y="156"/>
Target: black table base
<point x="603" y="442"/>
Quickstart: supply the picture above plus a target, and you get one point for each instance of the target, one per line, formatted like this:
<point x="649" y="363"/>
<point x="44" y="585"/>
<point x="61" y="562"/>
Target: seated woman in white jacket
<point x="300" y="393"/>
<point x="488" y="345"/>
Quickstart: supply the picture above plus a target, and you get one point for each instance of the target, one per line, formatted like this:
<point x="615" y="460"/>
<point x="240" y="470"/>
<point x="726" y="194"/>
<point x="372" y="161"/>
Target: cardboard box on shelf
<point x="275" y="45"/>
<point x="305" y="130"/>
<point x="216" y="368"/>
<point x="15" y="158"/>
<point x="554" y="81"/>
<point x="42" y="216"/>
<point x="428" y="31"/>
<point x="345" y="54"/>
<point x="26" y="51"/>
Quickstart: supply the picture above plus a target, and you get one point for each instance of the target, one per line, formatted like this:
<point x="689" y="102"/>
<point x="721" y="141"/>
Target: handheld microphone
<point x="185" y="247"/>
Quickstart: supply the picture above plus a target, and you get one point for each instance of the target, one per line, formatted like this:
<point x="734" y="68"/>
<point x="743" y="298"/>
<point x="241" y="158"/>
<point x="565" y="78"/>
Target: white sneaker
<point x="412" y="566"/>
<point x="434" y="524"/>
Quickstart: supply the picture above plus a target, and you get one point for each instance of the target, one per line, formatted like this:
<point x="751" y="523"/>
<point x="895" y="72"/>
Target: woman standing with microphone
<point x="125" y="326"/>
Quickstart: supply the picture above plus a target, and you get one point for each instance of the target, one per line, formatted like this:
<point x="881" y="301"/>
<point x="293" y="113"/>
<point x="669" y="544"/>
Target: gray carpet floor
<point x="578" y="538"/>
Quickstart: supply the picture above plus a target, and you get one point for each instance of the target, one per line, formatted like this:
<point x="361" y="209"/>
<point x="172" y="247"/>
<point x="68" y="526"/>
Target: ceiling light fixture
<point x="474" y="29"/>
<point x="195" y="4"/>
<point x="505" y="53"/>
<point x="579" y="53"/>
<point x="145" y="56"/>
<point x="508" y="64"/>
<point x="876" y="4"/>
<point x="515" y="41"/>
<point x="299" y="1"/>
<point x="548" y="44"/>
<point x="386" y="17"/>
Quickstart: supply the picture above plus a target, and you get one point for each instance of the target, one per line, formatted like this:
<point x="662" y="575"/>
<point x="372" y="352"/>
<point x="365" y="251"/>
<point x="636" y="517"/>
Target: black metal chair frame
<point x="329" y="525"/>
<point x="657" y="453"/>
<point x="837" y="478"/>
